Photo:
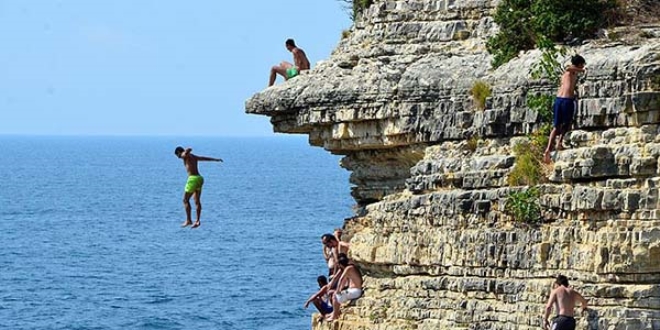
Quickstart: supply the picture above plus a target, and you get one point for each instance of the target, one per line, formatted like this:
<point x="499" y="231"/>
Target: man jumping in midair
<point x="194" y="183"/>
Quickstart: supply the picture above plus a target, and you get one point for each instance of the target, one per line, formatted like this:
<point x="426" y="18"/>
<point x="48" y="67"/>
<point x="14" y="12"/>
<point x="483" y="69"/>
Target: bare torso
<point x="354" y="277"/>
<point x="567" y="87"/>
<point x="190" y="162"/>
<point x="565" y="300"/>
<point x="300" y="59"/>
<point x="343" y="247"/>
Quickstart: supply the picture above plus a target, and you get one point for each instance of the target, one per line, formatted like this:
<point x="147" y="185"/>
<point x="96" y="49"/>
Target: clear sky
<point x="150" y="67"/>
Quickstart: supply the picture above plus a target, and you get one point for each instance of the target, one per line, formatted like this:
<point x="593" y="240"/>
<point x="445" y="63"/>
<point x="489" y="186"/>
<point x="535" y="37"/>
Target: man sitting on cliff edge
<point x="286" y="69"/>
<point x="349" y="286"/>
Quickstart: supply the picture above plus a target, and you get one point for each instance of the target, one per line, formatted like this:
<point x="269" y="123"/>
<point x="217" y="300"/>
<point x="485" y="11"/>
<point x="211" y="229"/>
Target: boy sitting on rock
<point x="321" y="299"/>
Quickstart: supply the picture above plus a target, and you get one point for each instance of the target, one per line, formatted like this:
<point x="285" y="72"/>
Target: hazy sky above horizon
<point x="150" y="67"/>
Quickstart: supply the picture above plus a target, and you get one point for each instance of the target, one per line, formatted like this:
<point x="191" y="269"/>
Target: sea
<point x="90" y="234"/>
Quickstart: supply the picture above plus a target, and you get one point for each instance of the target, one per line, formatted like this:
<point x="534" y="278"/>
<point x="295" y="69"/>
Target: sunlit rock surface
<point x="431" y="236"/>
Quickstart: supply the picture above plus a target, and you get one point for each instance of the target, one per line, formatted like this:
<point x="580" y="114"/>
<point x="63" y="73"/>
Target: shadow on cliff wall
<point x="592" y="320"/>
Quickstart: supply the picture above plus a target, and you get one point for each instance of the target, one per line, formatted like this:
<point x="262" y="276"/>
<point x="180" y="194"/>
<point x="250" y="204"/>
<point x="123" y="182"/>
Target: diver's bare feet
<point x="186" y="223"/>
<point x="331" y="317"/>
<point x="197" y="224"/>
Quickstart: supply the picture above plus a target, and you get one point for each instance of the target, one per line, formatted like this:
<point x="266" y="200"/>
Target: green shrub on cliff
<point x="561" y="19"/>
<point x="525" y="24"/>
<point x="356" y="7"/>
<point x="542" y="104"/>
<point x="549" y="68"/>
<point x="516" y="34"/>
<point x="523" y="206"/>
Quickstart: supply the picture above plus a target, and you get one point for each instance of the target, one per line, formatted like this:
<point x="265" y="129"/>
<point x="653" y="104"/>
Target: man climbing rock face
<point x="565" y="103"/>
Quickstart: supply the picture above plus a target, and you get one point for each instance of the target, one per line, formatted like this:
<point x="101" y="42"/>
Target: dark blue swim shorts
<point x="562" y="322"/>
<point x="563" y="110"/>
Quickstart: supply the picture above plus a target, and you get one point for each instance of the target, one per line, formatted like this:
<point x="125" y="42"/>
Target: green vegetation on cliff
<point x="528" y="169"/>
<point x="356" y="7"/>
<point x="525" y="24"/>
<point x="524" y="206"/>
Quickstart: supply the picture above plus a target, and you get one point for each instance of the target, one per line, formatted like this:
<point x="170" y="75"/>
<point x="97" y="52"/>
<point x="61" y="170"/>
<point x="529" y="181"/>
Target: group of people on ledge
<point x="345" y="279"/>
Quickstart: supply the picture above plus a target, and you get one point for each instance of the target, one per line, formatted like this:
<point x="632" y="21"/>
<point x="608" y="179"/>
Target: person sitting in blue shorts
<point x="321" y="299"/>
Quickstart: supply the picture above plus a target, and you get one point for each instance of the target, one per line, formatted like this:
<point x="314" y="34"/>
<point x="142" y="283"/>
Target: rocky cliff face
<point x="437" y="250"/>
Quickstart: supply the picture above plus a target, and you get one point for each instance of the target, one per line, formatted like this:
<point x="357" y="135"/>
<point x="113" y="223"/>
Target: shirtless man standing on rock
<point x="563" y="298"/>
<point x="194" y="183"/>
<point x="564" y="106"/>
<point x="351" y="280"/>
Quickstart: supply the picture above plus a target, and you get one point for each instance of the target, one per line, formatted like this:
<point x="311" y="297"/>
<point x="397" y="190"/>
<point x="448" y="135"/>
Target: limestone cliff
<point x="437" y="250"/>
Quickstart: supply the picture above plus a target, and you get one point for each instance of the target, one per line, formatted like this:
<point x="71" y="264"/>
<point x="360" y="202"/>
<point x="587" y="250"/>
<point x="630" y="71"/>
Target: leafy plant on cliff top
<point x="549" y="68"/>
<point x="524" y="206"/>
<point x="524" y="24"/>
<point x="356" y="7"/>
<point x="516" y="34"/>
<point x="558" y="20"/>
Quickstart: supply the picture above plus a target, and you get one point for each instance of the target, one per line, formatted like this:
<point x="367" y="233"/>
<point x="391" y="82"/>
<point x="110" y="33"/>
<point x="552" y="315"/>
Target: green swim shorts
<point x="291" y="72"/>
<point x="194" y="183"/>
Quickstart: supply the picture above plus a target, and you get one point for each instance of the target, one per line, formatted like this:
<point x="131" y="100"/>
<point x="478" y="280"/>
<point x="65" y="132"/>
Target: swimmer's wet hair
<point x="179" y="150"/>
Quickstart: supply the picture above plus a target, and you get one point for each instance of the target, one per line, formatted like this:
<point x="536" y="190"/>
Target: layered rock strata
<point x="429" y="172"/>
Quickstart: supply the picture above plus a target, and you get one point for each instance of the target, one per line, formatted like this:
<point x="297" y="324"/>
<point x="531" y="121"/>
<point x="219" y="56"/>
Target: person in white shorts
<point x="351" y="280"/>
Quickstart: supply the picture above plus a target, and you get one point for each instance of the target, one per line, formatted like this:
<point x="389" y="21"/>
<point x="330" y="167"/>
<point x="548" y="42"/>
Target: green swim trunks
<point x="194" y="183"/>
<point x="291" y="72"/>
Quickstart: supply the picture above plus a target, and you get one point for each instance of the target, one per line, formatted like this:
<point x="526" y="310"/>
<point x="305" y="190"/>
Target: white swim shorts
<point x="348" y="294"/>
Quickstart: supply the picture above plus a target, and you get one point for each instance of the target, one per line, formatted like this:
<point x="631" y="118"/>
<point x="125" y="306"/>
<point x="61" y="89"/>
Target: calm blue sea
<point x="90" y="233"/>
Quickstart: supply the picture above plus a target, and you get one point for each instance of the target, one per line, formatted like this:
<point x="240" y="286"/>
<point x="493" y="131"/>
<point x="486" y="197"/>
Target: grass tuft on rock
<point x="528" y="169"/>
<point x="480" y="91"/>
